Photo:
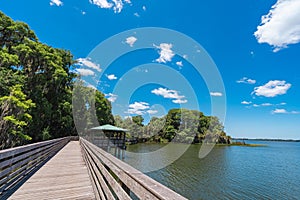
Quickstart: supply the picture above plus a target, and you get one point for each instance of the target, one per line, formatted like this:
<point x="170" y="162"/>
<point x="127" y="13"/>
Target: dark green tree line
<point x="179" y="125"/>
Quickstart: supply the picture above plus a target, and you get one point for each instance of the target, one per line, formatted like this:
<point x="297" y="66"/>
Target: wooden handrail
<point x="114" y="179"/>
<point x="16" y="164"/>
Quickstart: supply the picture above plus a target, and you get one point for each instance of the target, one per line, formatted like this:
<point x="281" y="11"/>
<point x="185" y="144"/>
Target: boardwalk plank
<point x="65" y="176"/>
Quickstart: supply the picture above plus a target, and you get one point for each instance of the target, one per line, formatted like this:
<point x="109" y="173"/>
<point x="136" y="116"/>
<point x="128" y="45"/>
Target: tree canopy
<point x="36" y="87"/>
<point x="179" y="125"/>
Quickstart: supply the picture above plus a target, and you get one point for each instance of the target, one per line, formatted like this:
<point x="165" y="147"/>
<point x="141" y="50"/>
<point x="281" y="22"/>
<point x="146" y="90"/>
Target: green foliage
<point x="138" y="120"/>
<point x="44" y="77"/>
<point x="92" y="108"/>
<point x="103" y="109"/>
<point x="45" y="134"/>
<point x="14" y="117"/>
<point x="179" y="125"/>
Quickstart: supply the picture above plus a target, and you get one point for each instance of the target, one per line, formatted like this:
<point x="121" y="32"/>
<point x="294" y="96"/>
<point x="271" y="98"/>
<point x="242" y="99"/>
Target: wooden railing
<point x="17" y="164"/>
<point x="114" y="179"/>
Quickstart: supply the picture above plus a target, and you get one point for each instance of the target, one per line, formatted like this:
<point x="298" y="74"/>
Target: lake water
<point x="229" y="172"/>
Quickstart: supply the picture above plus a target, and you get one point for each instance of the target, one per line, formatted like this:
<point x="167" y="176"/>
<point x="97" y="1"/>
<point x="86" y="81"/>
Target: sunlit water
<point x="229" y="172"/>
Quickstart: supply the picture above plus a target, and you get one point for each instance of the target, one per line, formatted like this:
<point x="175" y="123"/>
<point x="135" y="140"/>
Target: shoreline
<point x="265" y="139"/>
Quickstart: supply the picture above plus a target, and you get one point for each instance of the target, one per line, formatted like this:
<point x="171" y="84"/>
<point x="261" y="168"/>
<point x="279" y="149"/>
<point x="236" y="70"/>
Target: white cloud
<point x="279" y="111"/>
<point x="101" y="3"/>
<point x="152" y="112"/>
<point x="138" y="108"/>
<point x="246" y="80"/>
<point x="111" y="77"/>
<point x="179" y="64"/>
<point x="56" y="2"/>
<point x="117" y="5"/>
<point x="216" y="94"/>
<point x="284" y="111"/>
<point x="83" y="12"/>
<point x="111" y="97"/>
<point x="179" y="101"/>
<point x="272" y="89"/>
<point x="165" y="54"/>
<point x="281" y="26"/>
<point x="246" y="102"/>
<point x="88" y="63"/>
<point x="170" y="94"/>
<point x="85" y="72"/>
<point x="266" y="104"/>
<point x="144" y="8"/>
<point x="263" y="104"/>
<point x="131" y="40"/>
<point x="136" y="14"/>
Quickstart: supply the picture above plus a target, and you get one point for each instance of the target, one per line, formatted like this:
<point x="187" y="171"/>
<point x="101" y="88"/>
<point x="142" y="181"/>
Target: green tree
<point x="103" y="109"/>
<point x="138" y="120"/>
<point x="14" y="117"/>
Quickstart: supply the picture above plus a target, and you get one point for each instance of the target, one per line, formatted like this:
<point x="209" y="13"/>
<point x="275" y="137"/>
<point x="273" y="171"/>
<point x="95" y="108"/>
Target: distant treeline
<point x="266" y="139"/>
<point x="179" y="125"/>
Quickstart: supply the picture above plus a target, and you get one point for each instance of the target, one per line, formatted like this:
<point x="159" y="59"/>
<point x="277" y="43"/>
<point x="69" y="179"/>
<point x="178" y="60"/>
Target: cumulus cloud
<point x="165" y="53"/>
<point x="88" y="63"/>
<point x="170" y="94"/>
<point x="111" y="97"/>
<point x="266" y="104"/>
<point x="131" y="40"/>
<point x="144" y="8"/>
<point x="279" y="111"/>
<point x="85" y="72"/>
<point x="284" y="111"/>
<point x="116" y="5"/>
<point x="272" y="89"/>
<point x="246" y="102"/>
<point x="101" y="3"/>
<point x="262" y="104"/>
<point x="246" y="80"/>
<point x="152" y="112"/>
<point x="111" y="77"/>
<point x="281" y="26"/>
<point x="138" y="108"/>
<point x="56" y="3"/>
<point x="216" y="94"/>
<point x="179" y="64"/>
<point x="179" y="101"/>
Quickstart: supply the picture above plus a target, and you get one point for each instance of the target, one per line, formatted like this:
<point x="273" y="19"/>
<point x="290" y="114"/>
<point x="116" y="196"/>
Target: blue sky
<point x="254" y="45"/>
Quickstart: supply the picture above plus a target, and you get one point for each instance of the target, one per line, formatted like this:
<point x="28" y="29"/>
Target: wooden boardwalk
<point x="65" y="176"/>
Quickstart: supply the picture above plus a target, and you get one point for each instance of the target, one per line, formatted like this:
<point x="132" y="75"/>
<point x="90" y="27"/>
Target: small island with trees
<point x="179" y="125"/>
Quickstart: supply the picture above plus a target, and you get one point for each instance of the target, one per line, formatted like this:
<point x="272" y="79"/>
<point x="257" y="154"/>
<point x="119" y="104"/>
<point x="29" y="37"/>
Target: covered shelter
<point x="108" y="137"/>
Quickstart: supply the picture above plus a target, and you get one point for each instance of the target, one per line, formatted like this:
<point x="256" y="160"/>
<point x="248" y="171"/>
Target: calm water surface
<point x="230" y="172"/>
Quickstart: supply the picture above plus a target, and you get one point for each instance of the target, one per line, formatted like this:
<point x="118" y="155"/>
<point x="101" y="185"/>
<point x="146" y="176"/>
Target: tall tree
<point x="14" y="117"/>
